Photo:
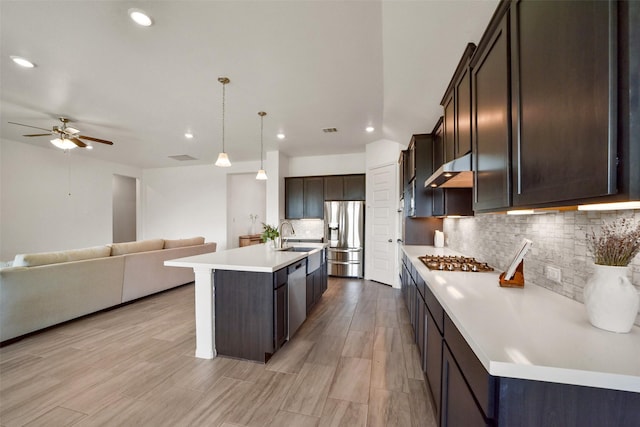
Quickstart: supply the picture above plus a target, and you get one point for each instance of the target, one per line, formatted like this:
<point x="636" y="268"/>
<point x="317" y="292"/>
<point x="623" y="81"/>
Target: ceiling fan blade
<point x="90" y="138"/>
<point x="29" y="126"/>
<point x="78" y="142"/>
<point x="39" y="134"/>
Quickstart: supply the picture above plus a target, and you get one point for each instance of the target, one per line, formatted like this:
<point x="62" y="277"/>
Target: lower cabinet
<point x="458" y="405"/>
<point x="281" y="308"/>
<point x="251" y="313"/>
<point x="317" y="283"/>
<point x="432" y="359"/>
<point x="465" y="395"/>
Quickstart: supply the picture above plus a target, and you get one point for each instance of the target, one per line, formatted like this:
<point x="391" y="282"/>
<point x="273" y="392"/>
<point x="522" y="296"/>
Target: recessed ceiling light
<point x="140" y="17"/>
<point x="89" y="147"/>
<point x="188" y="135"/>
<point x="281" y="135"/>
<point x="22" y="61"/>
<point x="370" y="129"/>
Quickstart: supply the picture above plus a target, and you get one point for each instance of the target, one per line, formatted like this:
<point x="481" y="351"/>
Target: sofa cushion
<point x="179" y="243"/>
<point x="44" y="258"/>
<point x="133" y="247"/>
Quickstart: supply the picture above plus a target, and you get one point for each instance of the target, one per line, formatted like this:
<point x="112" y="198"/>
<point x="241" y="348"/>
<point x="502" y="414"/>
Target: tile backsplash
<point x="559" y="240"/>
<point x="307" y="228"/>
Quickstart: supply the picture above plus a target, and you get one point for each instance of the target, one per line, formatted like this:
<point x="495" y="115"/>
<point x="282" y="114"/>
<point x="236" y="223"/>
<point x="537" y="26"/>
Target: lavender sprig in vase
<point x="611" y="300"/>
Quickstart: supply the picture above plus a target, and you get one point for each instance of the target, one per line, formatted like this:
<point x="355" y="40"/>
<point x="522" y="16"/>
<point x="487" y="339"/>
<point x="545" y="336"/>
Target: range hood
<point x="455" y="174"/>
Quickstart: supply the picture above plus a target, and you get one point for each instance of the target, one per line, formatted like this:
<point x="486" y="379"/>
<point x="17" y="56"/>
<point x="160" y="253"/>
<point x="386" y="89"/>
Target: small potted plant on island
<point x="610" y="298"/>
<point x="270" y="235"/>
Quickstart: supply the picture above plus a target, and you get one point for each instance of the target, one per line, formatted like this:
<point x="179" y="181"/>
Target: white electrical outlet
<point x="553" y="273"/>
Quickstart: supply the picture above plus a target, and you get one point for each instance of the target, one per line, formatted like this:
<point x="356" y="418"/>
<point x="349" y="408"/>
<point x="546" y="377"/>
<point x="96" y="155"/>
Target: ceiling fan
<point x="66" y="136"/>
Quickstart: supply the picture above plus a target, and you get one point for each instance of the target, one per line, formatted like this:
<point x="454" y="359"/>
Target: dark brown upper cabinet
<point x="344" y="187"/>
<point x="491" y="126"/>
<point x="313" y="197"/>
<point x="304" y="197"/>
<point x="354" y="187"/>
<point x="438" y="144"/>
<point x="554" y="105"/>
<point x="564" y="101"/>
<point x="457" y="109"/>
<point x="421" y="146"/>
<point x="294" y="198"/>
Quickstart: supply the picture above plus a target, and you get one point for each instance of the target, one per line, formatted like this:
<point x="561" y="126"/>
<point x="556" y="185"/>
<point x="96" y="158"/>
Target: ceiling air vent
<point x="182" y="157"/>
<point x="329" y="130"/>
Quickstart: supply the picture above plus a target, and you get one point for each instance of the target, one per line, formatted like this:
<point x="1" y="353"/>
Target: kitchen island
<point x="509" y="356"/>
<point x="243" y="293"/>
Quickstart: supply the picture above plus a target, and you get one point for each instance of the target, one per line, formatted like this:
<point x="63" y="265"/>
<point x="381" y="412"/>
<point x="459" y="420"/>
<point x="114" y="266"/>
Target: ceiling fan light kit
<point x="223" y="158"/>
<point x="66" y="137"/>
<point x="262" y="175"/>
<point x="63" y="143"/>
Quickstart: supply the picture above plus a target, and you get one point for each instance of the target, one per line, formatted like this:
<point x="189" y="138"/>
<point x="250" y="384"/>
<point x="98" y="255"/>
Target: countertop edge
<point x="216" y="261"/>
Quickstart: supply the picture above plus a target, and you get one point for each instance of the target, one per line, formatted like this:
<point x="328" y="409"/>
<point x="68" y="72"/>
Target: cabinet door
<point x="438" y="144"/>
<point x="354" y="187"/>
<point x="419" y="333"/>
<point x="281" y="315"/>
<point x="492" y="123"/>
<point x="459" y="409"/>
<point x="294" y="198"/>
<point x="564" y="100"/>
<point x="334" y="187"/>
<point x="313" y="195"/>
<point x="310" y="300"/>
<point x="449" y="129"/>
<point x="318" y="287"/>
<point x="463" y="114"/>
<point x="432" y="358"/>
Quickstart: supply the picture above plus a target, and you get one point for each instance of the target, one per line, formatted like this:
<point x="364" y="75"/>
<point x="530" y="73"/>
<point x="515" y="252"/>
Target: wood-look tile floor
<point x="352" y="363"/>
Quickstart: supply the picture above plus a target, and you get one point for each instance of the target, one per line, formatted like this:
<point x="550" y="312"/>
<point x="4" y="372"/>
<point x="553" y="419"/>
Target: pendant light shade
<point x="223" y="158"/>
<point x="262" y="175"/>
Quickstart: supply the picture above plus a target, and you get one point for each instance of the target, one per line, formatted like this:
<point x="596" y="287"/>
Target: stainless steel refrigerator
<point x="344" y="231"/>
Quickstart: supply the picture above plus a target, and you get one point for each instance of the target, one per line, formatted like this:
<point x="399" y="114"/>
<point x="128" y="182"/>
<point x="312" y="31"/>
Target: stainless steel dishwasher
<point x="297" y="281"/>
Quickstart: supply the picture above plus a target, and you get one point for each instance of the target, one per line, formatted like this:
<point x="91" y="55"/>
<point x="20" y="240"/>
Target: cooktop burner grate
<point x="454" y="263"/>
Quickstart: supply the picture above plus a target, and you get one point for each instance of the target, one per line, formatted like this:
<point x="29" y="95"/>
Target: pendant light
<point x="262" y="175"/>
<point x="223" y="159"/>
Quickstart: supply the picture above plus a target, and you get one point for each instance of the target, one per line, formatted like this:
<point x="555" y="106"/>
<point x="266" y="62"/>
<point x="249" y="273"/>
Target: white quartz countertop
<point x="257" y="258"/>
<point x="531" y="332"/>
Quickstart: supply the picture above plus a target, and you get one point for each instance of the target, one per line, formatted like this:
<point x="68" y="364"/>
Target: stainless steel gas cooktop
<point x="454" y="263"/>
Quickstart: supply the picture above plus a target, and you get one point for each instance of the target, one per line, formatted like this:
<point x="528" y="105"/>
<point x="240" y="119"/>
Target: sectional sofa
<point x="44" y="289"/>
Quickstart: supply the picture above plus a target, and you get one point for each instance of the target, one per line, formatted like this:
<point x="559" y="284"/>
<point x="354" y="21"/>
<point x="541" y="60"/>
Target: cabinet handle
<point x="390" y="240"/>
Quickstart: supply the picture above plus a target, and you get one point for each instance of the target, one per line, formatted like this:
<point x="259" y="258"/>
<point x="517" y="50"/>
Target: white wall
<point x="327" y="165"/>
<point x="188" y="201"/>
<point x="38" y="213"/>
<point x="247" y="196"/>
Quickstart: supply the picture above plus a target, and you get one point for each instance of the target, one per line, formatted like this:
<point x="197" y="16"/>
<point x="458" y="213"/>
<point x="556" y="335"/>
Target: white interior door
<point x="381" y="221"/>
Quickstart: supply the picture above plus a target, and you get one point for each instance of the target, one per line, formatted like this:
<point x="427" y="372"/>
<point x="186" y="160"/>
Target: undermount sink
<point x="298" y="249"/>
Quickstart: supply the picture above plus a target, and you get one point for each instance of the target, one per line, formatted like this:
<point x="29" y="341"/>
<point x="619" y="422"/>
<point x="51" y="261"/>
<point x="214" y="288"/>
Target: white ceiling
<point x="308" y="64"/>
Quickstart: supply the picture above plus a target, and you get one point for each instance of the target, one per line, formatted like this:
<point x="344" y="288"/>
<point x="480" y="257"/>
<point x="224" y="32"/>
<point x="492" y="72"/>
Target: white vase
<point x="610" y="299"/>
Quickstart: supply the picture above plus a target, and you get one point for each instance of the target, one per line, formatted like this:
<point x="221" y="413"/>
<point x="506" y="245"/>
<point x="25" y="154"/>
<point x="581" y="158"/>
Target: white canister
<point x="438" y="239"/>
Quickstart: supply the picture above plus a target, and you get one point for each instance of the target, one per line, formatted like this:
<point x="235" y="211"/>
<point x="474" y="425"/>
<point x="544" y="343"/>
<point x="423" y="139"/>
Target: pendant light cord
<point x="223" y="93"/>
<point x="261" y="145"/>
